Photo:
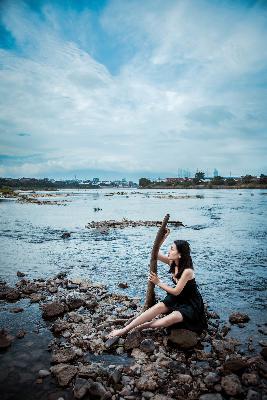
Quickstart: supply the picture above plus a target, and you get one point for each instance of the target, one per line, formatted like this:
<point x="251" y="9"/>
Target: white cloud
<point x="189" y="80"/>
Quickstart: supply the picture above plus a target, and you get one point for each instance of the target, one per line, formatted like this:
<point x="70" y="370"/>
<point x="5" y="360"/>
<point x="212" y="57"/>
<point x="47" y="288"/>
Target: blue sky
<point x="132" y="88"/>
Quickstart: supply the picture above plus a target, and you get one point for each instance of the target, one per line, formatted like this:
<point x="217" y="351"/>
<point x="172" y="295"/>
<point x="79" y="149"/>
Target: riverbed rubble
<point x="160" y="364"/>
<point x="126" y="223"/>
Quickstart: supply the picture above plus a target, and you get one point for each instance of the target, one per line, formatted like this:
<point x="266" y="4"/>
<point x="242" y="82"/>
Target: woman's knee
<point x="177" y="316"/>
<point x="162" y="307"/>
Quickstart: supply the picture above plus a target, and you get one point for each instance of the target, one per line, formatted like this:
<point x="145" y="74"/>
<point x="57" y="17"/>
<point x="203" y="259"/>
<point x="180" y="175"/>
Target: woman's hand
<point x="154" y="278"/>
<point x="167" y="232"/>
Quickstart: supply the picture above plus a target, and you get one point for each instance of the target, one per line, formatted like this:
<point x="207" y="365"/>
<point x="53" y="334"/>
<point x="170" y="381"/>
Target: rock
<point x="43" y="373"/>
<point x="16" y="310"/>
<point x="211" y="396"/>
<point x="80" y="388"/>
<point x="29" y="288"/>
<point x="234" y="365"/>
<point x="115" y="376"/>
<point x="146" y="382"/>
<point x="110" y="342"/>
<point x="52" y="310"/>
<point x="183" y="338"/>
<point x="36" y="297"/>
<point x="123" y="285"/>
<point x="63" y="356"/>
<point x="20" y="334"/>
<point x="65" y="235"/>
<point x="237" y="317"/>
<point x="184" y="378"/>
<point x="138" y="354"/>
<point x="263" y="352"/>
<point x="132" y="340"/>
<point x="13" y="295"/>
<point x="20" y="274"/>
<point x="5" y="340"/>
<point x="250" y="378"/>
<point x="253" y="395"/>
<point x="222" y="347"/>
<point x="212" y="378"/>
<point x="97" y="389"/>
<point x="74" y="302"/>
<point x="147" y="345"/>
<point x="64" y="373"/>
<point x="231" y="385"/>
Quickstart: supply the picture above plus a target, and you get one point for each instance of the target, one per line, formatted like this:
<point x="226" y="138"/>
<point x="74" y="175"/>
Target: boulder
<point x="52" y="310"/>
<point x="183" y="338"/>
<point x="231" y="385"/>
<point x="63" y="356"/>
<point x="132" y="340"/>
<point x="237" y="317"/>
<point x="64" y="373"/>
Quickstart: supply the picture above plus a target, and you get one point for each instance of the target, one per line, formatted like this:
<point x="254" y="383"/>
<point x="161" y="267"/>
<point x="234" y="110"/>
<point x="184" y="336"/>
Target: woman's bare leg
<point x="168" y="320"/>
<point x="147" y="315"/>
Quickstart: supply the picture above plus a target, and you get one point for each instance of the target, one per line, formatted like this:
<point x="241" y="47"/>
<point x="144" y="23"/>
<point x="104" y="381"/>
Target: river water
<point x="226" y="230"/>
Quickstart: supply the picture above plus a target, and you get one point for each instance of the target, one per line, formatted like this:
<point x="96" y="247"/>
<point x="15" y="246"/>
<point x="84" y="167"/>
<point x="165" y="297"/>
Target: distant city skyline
<point x="132" y="88"/>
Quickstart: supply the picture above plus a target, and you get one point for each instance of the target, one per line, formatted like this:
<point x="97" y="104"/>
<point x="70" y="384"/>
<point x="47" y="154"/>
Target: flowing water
<point x="226" y="230"/>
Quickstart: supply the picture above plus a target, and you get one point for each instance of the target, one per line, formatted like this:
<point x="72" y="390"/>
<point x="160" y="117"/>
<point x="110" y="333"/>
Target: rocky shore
<point x="125" y="223"/>
<point x="161" y="364"/>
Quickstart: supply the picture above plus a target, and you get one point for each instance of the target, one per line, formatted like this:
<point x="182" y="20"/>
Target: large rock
<point x="184" y="338"/>
<point x="97" y="389"/>
<point x="80" y="388"/>
<point x="52" y="310"/>
<point x="237" y="317"/>
<point x="74" y="302"/>
<point x="5" y="340"/>
<point x="64" y="373"/>
<point x="235" y="365"/>
<point x="231" y="385"/>
<point x="147" y="345"/>
<point x="146" y="382"/>
<point x="132" y="340"/>
<point x="63" y="356"/>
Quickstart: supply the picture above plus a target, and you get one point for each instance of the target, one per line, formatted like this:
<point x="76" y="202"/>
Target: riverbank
<point x="71" y="323"/>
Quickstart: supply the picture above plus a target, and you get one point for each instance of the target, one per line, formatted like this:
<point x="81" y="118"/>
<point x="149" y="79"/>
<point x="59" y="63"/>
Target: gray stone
<point x="132" y="340"/>
<point x="64" y="373"/>
<point x="183" y="338"/>
<point x="147" y="345"/>
<point x="52" y="310"/>
<point x="231" y="385"/>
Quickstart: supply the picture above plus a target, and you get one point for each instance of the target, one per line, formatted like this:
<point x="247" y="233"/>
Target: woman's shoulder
<point x="190" y="272"/>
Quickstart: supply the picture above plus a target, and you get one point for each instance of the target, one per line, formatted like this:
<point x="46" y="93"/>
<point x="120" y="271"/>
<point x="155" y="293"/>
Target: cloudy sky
<point x="130" y="88"/>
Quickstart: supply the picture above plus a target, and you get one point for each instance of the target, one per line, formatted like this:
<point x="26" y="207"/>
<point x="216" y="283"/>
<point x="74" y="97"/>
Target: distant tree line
<point x="199" y="180"/>
<point x="41" y="184"/>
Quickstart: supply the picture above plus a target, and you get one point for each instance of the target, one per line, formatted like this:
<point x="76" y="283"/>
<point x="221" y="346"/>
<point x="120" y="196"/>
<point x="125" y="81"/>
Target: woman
<point x="183" y="304"/>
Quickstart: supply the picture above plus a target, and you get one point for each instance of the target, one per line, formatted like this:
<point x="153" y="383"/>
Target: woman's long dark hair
<point x="185" y="261"/>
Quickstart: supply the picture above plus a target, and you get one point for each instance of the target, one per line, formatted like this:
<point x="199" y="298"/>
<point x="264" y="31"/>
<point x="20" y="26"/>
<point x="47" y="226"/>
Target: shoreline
<point x="156" y="364"/>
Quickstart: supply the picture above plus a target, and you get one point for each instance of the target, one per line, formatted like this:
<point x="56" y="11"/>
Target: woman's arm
<point x="186" y="275"/>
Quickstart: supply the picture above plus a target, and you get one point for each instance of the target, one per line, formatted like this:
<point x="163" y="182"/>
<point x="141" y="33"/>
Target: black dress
<point x="190" y="304"/>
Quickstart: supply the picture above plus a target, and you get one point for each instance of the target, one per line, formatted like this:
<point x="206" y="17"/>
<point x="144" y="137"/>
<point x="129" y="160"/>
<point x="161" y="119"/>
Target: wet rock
<point x="97" y="389"/>
<point x="52" y="310"/>
<point x="253" y="395"/>
<point x="63" y="356"/>
<point x="146" y="382"/>
<point x="20" y="274"/>
<point x="30" y="288"/>
<point x="110" y="342"/>
<point x="64" y="373"/>
<point x="60" y="326"/>
<point x="222" y="347"/>
<point x="16" y="310"/>
<point x="212" y="378"/>
<point x="123" y="285"/>
<point x="231" y="385"/>
<point x="234" y="365"/>
<point x="13" y="295"/>
<point x="36" y="297"/>
<point x="263" y="352"/>
<point x="43" y="373"/>
<point x="75" y="317"/>
<point x="138" y="354"/>
<point x="147" y="345"/>
<point x="74" y="302"/>
<point x="211" y="396"/>
<point x="225" y="329"/>
<point x="65" y="235"/>
<point x="132" y="340"/>
<point x="250" y="378"/>
<point x="237" y="317"/>
<point x="115" y="376"/>
<point x="20" y="334"/>
<point x="80" y="388"/>
<point x="5" y="340"/>
<point x="183" y="338"/>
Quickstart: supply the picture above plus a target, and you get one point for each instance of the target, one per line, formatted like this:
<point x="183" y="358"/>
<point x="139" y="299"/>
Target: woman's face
<point x="173" y="253"/>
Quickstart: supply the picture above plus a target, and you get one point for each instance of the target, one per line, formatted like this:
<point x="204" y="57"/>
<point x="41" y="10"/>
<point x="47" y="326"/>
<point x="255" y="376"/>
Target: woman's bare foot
<point x="116" y="332"/>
